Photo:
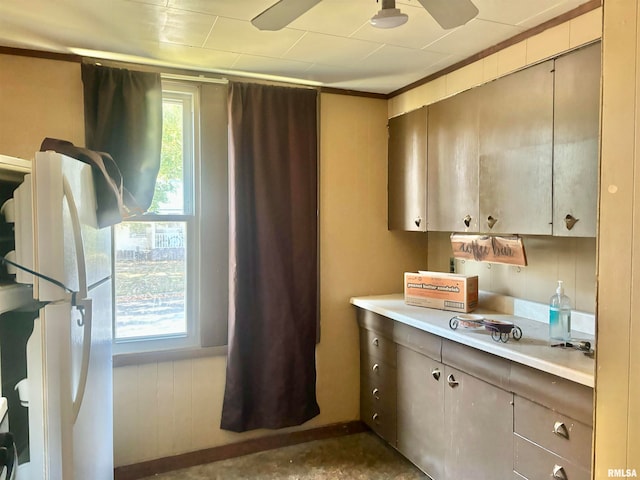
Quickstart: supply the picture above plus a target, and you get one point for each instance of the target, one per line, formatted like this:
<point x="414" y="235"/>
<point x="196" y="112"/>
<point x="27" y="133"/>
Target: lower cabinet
<point x="459" y="413"/>
<point x="378" y="399"/>
<point x="378" y="384"/>
<point x="420" y="400"/>
<point x="450" y="423"/>
<point x="549" y="444"/>
<point x="479" y="428"/>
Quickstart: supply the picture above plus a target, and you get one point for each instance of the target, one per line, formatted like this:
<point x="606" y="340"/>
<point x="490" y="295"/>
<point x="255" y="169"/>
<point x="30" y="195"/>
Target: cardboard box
<point x="444" y="291"/>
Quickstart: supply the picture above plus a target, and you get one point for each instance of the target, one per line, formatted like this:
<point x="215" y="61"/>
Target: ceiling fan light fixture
<point x="389" y="18"/>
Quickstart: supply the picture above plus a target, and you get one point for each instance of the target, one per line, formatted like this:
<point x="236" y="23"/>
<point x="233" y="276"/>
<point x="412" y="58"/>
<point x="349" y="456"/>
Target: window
<point x="156" y="255"/>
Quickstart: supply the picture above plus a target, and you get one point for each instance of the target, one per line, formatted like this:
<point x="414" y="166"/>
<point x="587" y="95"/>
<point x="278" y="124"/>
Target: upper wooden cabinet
<point x="516" y="152"/>
<point x="452" y="166"/>
<point x="575" y="145"/>
<point x="407" y="191"/>
<point x="517" y="155"/>
<point x="490" y="156"/>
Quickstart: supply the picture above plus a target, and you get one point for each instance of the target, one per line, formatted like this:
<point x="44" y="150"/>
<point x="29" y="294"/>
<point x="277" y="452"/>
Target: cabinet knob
<point x="417" y="221"/>
<point x="436" y="373"/>
<point x="375" y="342"/>
<point x="376" y="418"/>
<point x="570" y="221"/>
<point x="467" y="221"/>
<point x="491" y="221"/>
<point x="451" y="380"/>
<point x="559" y="473"/>
<point x="376" y="393"/>
<point x="560" y="429"/>
<point x="375" y="367"/>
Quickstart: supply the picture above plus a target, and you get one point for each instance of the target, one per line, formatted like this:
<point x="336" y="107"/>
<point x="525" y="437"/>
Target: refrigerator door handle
<point x="81" y="302"/>
<point x="86" y="355"/>
<point x="77" y="238"/>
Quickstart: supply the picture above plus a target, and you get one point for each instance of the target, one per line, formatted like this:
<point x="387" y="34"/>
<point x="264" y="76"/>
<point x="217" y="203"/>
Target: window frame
<point x="189" y="95"/>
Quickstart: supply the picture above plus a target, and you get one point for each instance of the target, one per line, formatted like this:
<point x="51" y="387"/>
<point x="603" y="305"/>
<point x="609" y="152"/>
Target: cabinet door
<point x="407" y="192"/>
<point x="420" y="411"/>
<point x="575" y="147"/>
<point x="516" y="134"/>
<point x="479" y="426"/>
<point x="452" y="168"/>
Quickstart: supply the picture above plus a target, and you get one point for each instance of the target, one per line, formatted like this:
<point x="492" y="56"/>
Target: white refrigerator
<point x="66" y="260"/>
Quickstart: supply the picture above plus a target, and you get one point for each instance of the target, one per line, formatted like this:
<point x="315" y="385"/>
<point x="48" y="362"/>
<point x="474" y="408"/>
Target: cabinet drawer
<point x="561" y="434"/>
<point x="379" y="392"/>
<point x="485" y="366"/>
<point x="375" y="345"/>
<point x="552" y="391"/>
<point x="373" y="321"/>
<point x="377" y="371"/>
<point x="535" y="463"/>
<point x="418" y="340"/>
<point x="378" y="382"/>
<point x="380" y="419"/>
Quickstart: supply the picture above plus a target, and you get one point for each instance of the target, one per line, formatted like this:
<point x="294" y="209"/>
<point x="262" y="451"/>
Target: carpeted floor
<point x="359" y="456"/>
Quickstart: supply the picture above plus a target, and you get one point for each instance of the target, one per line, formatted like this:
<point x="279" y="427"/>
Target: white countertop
<point x="532" y="350"/>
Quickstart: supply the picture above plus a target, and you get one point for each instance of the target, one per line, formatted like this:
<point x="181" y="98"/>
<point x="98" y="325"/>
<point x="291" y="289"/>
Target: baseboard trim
<point x="223" y="452"/>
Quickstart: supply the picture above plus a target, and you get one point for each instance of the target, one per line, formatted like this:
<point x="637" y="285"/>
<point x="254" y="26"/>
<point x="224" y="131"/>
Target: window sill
<point x="140" y="358"/>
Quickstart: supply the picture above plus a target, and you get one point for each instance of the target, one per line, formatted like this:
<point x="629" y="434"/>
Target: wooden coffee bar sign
<point x="489" y="248"/>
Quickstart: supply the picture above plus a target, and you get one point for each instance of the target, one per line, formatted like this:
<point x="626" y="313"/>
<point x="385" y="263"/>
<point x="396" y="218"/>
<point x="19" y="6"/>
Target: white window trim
<point x="191" y="340"/>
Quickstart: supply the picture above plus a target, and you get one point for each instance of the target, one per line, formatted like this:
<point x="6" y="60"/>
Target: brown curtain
<point x="123" y="117"/>
<point x="271" y="374"/>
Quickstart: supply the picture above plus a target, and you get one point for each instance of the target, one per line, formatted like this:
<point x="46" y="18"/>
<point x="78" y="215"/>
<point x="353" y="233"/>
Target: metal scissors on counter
<point x="580" y="345"/>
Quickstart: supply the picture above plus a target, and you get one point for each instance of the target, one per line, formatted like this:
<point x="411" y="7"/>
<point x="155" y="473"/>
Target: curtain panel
<point x="123" y="117"/>
<point x="214" y="215"/>
<point x="273" y="301"/>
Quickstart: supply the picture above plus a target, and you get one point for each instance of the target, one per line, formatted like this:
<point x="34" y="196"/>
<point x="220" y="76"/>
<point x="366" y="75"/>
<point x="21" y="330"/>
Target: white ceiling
<point x="331" y="45"/>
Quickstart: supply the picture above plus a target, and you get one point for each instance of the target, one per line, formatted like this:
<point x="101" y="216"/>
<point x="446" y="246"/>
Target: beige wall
<point x="617" y="420"/>
<point x="167" y="408"/>
<point x="38" y="98"/>
<point x="572" y="260"/>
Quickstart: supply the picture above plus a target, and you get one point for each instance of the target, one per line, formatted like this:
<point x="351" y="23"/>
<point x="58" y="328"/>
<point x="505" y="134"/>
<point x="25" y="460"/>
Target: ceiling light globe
<point x="389" y="18"/>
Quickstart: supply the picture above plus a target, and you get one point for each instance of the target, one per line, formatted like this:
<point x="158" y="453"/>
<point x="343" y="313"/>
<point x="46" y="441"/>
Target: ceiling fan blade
<point x="281" y="13"/>
<point x="450" y="13"/>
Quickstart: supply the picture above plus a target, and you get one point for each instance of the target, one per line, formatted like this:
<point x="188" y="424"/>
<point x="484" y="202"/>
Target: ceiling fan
<point x="448" y="13"/>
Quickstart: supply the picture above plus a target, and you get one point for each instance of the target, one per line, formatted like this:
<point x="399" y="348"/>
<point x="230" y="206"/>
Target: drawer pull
<point x="376" y="393"/>
<point x="452" y="381"/>
<point x="376" y="419"/>
<point x="559" y="473"/>
<point x="375" y="342"/>
<point x="375" y="367"/>
<point x="560" y="429"/>
<point x="436" y="373"/>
